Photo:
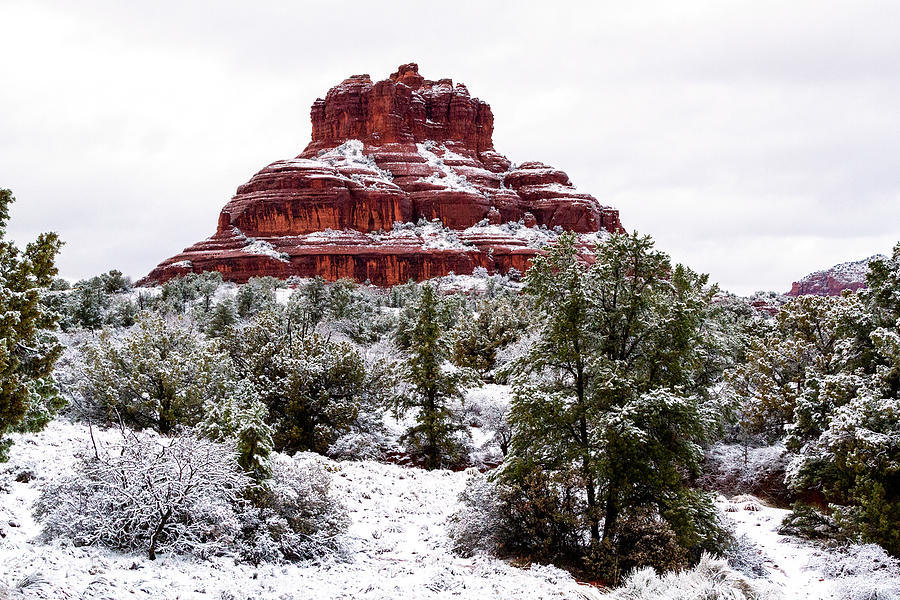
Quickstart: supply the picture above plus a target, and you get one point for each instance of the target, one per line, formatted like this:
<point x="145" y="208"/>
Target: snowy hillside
<point x="397" y="548"/>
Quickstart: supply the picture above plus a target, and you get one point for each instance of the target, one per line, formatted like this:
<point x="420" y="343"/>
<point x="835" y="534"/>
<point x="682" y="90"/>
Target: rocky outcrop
<point x="833" y="281"/>
<point x="404" y="150"/>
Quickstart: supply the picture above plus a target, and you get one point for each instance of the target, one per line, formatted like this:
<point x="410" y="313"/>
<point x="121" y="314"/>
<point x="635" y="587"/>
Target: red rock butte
<point x="387" y="161"/>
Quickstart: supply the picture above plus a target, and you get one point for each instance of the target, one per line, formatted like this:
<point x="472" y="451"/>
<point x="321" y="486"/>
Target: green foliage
<point x="308" y="306"/>
<point x="60" y="285"/>
<point x="806" y="521"/>
<point x="499" y="322"/>
<point x="28" y="395"/>
<point x="644" y="540"/>
<point x="94" y="302"/>
<point x="436" y="437"/>
<point x="827" y="378"/>
<point x="91" y="300"/>
<point x="543" y="512"/>
<point x="255" y="296"/>
<point x="179" y="293"/>
<point x="315" y="390"/>
<point x="114" y="282"/>
<point x="786" y="360"/>
<point x="222" y="316"/>
<point x="450" y="311"/>
<point x="241" y="418"/>
<point x="158" y="375"/>
<point x="603" y="398"/>
<point x="345" y="306"/>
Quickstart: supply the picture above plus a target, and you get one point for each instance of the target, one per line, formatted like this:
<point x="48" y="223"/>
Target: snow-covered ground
<point x="397" y="540"/>
<point x="801" y="570"/>
<point x="787" y="560"/>
<point x="397" y="547"/>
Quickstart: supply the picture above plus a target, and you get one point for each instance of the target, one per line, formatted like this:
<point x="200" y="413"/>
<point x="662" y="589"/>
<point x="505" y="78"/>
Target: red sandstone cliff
<point x="833" y="281"/>
<point x="403" y="150"/>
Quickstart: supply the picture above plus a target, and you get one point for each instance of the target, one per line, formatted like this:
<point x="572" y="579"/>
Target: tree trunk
<point x="151" y="551"/>
<point x="165" y="424"/>
<point x="431" y="453"/>
<point x="587" y="471"/>
<point x="612" y="514"/>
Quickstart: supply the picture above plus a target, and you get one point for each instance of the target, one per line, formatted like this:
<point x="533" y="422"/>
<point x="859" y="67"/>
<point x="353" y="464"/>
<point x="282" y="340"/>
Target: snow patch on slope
<point x="787" y="560"/>
<point x="350" y="154"/>
<point x="264" y="248"/>
<point x="447" y="177"/>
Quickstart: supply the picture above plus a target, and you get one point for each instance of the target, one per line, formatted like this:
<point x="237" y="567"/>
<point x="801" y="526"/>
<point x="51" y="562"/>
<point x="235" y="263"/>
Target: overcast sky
<point x="756" y="141"/>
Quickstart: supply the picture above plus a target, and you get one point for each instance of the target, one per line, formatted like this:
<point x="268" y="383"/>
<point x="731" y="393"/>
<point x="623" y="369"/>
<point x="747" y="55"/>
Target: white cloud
<point x="754" y="140"/>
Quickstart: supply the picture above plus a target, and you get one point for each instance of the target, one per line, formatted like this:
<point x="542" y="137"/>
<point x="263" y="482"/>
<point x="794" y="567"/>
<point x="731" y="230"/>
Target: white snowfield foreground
<point x="399" y="548"/>
<point x="397" y="541"/>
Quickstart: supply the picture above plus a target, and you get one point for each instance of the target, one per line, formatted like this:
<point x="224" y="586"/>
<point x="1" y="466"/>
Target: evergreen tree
<point x="254" y="440"/>
<point x="28" y="395"/>
<point x="114" y="282"/>
<point x="784" y="360"/>
<point x="476" y="341"/>
<point x="436" y="435"/>
<point x="207" y="284"/>
<point x="341" y="298"/>
<point x="91" y="303"/>
<point x="600" y="403"/>
<point x="845" y="427"/>
<point x="177" y="293"/>
<point x="825" y="379"/>
<point x="158" y="375"/>
<point x="313" y="388"/>
<point x="241" y="418"/>
<point x="255" y="296"/>
<point x="307" y="307"/>
<point x="222" y="317"/>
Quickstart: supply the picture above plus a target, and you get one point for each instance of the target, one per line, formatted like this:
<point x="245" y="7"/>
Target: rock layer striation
<point x="387" y="161"/>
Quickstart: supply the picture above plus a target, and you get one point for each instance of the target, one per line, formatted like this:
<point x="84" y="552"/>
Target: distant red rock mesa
<point x="387" y="161"/>
<point x="833" y="281"/>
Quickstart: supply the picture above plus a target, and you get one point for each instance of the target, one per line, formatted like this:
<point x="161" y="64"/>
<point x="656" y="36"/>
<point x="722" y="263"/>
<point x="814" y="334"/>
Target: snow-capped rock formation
<point x="831" y="282"/>
<point x="401" y="150"/>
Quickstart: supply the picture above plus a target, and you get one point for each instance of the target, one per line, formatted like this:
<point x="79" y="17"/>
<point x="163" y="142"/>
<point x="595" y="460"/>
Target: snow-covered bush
<point x="476" y="527"/>
<point x="809" y="522"/>
<point x="148" y="493"/>
<point x="826" y="380"/>
<point x="863" y="572"/>
<point x="316" y="390"/>
<point x="711" y="579"/>
<point x="189" y="495"/>
<point x="179" y="294"/>
<point x="476" y="341"/>
<point x="297" y="517"/>
<point x="744" y="556"/>
<point x="358" y="445"/>
<point x="256" y="295"/>
<point x="737" y="469"/>
<point x="643" y="539"/>
<point x="240" y="420"/>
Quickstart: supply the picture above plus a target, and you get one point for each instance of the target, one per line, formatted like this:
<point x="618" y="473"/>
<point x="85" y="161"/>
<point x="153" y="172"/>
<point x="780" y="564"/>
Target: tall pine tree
<point x="28" y="395"/>
<point x="604" y="431"/>
<point x="437" y="433"/>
